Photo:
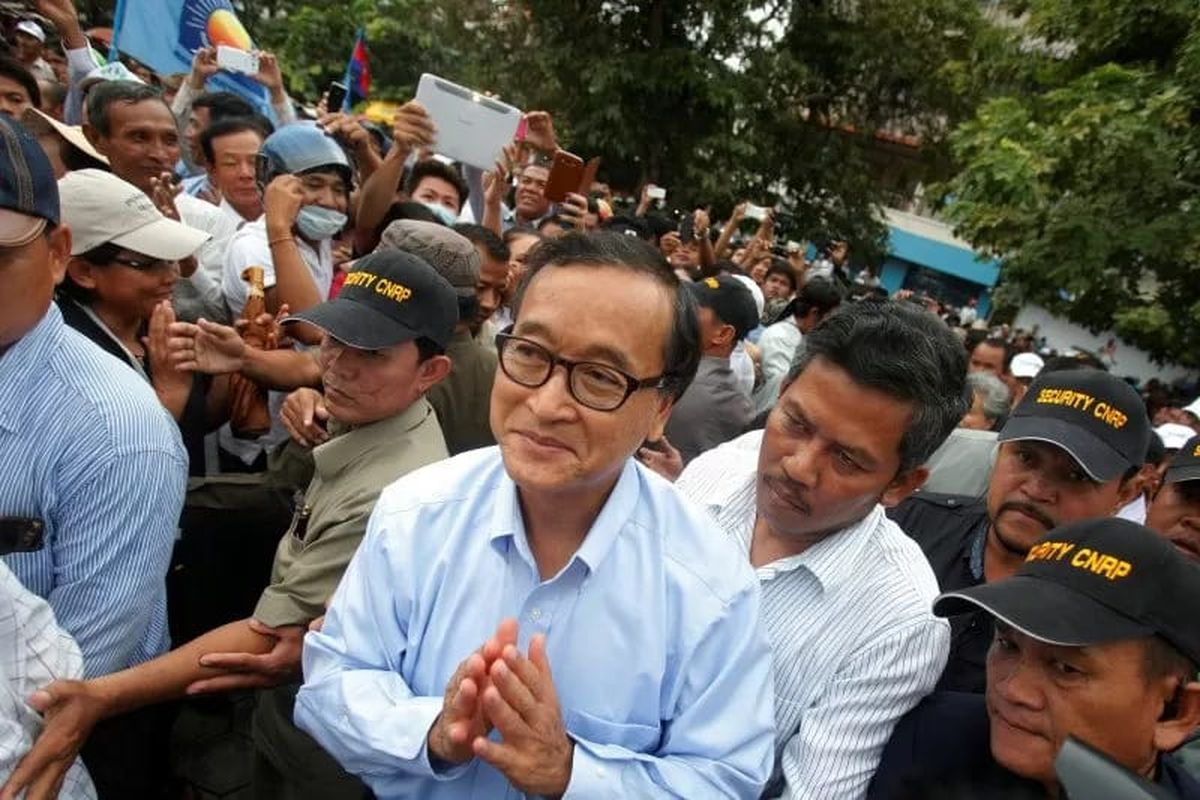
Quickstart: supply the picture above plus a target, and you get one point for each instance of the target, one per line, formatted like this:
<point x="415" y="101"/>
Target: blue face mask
<point x="317" y="224"/>
<point x="444" y="215"/>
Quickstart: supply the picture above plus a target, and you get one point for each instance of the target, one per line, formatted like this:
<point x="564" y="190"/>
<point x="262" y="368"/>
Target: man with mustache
<point x="1071" y="450"/>
<point x="846" y="595"/>
<point x="1175" y="510"/>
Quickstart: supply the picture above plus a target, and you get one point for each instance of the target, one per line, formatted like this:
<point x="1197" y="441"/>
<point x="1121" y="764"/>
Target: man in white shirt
<point x="130" y="125"/>
<point x="846" y="595"/>
<point x="778" y="344"/>
<point x="305" y="200"/>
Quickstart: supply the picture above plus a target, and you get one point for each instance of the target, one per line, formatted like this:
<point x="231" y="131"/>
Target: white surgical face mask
<point x="444" y="215"/>
<point x="317" y="223"/>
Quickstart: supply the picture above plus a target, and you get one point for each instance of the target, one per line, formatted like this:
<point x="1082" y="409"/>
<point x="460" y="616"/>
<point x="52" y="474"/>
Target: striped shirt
<point x="86" y="447"/>
<point x="855" y="641"/>
<point x="34" y="651"/>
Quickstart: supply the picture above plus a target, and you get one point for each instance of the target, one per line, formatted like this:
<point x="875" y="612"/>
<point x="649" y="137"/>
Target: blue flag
<point x="164" y="35"/>
<point x="358" y="73"/>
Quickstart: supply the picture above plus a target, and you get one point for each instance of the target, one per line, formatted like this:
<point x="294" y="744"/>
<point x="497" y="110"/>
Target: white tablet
<point x="471" y="128"/>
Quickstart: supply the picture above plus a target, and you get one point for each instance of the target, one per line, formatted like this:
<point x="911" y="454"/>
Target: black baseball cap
<point x="1185" y="466"/>
<point x="28" y="189"/>
<point x="388" y="298"/>
<point x="1091" y="582"/>
<point x="729" y="300"/>
<point x="1097" y="418"/>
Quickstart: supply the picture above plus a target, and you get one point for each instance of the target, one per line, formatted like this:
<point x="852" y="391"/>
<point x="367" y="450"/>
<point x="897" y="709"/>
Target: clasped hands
<point x="498" y="688"/>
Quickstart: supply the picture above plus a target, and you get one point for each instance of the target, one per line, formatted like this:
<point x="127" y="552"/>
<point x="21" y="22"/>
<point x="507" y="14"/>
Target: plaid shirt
<point x="33" y="652"/>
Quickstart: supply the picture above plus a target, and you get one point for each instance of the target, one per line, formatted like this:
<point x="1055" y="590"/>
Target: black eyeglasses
<point x="597" y="386"/>
<point x="142" y="265"/>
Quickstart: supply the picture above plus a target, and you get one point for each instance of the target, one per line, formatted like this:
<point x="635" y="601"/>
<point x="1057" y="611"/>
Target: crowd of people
<point x="529" y="498"/>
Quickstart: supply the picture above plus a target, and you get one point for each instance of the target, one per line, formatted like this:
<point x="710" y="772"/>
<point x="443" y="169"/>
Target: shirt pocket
<point x="629" y="735"/>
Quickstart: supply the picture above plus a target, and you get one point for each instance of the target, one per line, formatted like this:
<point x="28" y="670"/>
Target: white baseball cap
<point x="1193" y="408"/>
<point x="100" y="208"/>
<point x="33" y="29"/>
<point x="1026" y="365"/>
<point x="1174" y="436"/>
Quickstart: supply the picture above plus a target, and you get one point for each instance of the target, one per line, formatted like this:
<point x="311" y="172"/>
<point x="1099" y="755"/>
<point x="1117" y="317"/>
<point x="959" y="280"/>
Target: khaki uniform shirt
<point x="352" y="468"/>
<point x="463" y="400"/>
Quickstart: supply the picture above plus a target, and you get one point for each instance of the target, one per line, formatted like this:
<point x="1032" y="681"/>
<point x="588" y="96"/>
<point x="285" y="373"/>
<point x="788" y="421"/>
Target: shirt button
<point x="599" y="772"/>
<point x="536" y="614"/>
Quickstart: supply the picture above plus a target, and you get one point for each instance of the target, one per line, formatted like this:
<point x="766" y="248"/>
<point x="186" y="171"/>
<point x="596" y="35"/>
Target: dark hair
<point x="427" y="349"/>
<point x="628" y="225"/>
<point x="1163" y="659"/>
<point x="553" y="219"/>
<point x="228" y="126"/>
<point x="820" y="293"/>
<point x="493" y="245"/>
<point x="904" y="352"/>
<point x="432" y="168"/>
<point x="1156" y="451"/>
<point x="995" y="343"/>
<point x="105" y="93"/>
<point x="784" y="269"/>
<point x="681" y="352"/>
<point x="100" y="255"/>
<point x="223" y="105"/>
<point x="517" y="231"/>
<point x="14" y="70"/>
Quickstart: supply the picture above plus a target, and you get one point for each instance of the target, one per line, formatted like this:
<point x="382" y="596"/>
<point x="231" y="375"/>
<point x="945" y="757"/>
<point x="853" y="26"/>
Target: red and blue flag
<point x="358" y="73"/>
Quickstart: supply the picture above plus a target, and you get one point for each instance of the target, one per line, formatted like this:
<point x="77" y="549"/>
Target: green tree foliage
<point x="1087" y="181"/>
<point x="719" y="100"/>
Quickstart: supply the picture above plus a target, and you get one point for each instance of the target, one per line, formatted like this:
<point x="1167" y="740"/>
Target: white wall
<point x="1061" y="334"/>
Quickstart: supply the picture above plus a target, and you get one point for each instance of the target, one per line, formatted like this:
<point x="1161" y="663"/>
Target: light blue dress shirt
<point x="652" y="631"/>
<point x="86" y="447"/>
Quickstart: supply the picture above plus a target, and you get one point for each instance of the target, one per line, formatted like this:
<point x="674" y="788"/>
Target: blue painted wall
<point x="956" y="261"/>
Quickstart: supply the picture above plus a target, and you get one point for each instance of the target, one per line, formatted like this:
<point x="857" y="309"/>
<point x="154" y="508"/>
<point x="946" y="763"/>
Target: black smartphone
<point x="335" y="97"/>
<point x="21" y="534"/>
<point x="687" y="228"/>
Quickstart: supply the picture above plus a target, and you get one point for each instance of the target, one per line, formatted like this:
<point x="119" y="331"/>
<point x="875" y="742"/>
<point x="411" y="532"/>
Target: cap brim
<point x="164" y="238"/>
<point x="73" y="135"/>
<point x="1191" y="472"/>
<point x="17" y="229"/>
<point x="355" y="324"/>
<point x="1099" y="460"/>
<point x="1046" y="611"/>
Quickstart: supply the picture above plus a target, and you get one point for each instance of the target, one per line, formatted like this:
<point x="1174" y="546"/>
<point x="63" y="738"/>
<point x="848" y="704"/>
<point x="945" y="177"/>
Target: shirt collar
<point x="24" y="362"/>
<point x="834" y="560"/>
<point x="507" y="521"/>
<point x="350" y="444"/>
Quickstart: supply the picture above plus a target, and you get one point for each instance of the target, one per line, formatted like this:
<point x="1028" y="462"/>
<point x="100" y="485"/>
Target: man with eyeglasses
<point x="548" y="616"/>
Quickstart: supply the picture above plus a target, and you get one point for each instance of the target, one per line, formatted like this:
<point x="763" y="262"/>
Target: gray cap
<point x="450" y="253"/>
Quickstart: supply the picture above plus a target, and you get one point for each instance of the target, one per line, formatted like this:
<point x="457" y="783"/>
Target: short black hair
<point x="517" y="231"/>
<point x="493" y="245"/>
<point x="552" y="219"/>
<point x="904" y="352"/>
<point x="106" y="93"/>
<point x="224" y="105"/>
<point x="228" y="126"/>
<point x="427" y="348"/>
<point x="784" y="269"/>
<point x="14" y="70"/>
<point x="432" y="168"/>
<point x="681" y="356"/>
<point x="823" y="294"/>
<point x="1163" y="659"/>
